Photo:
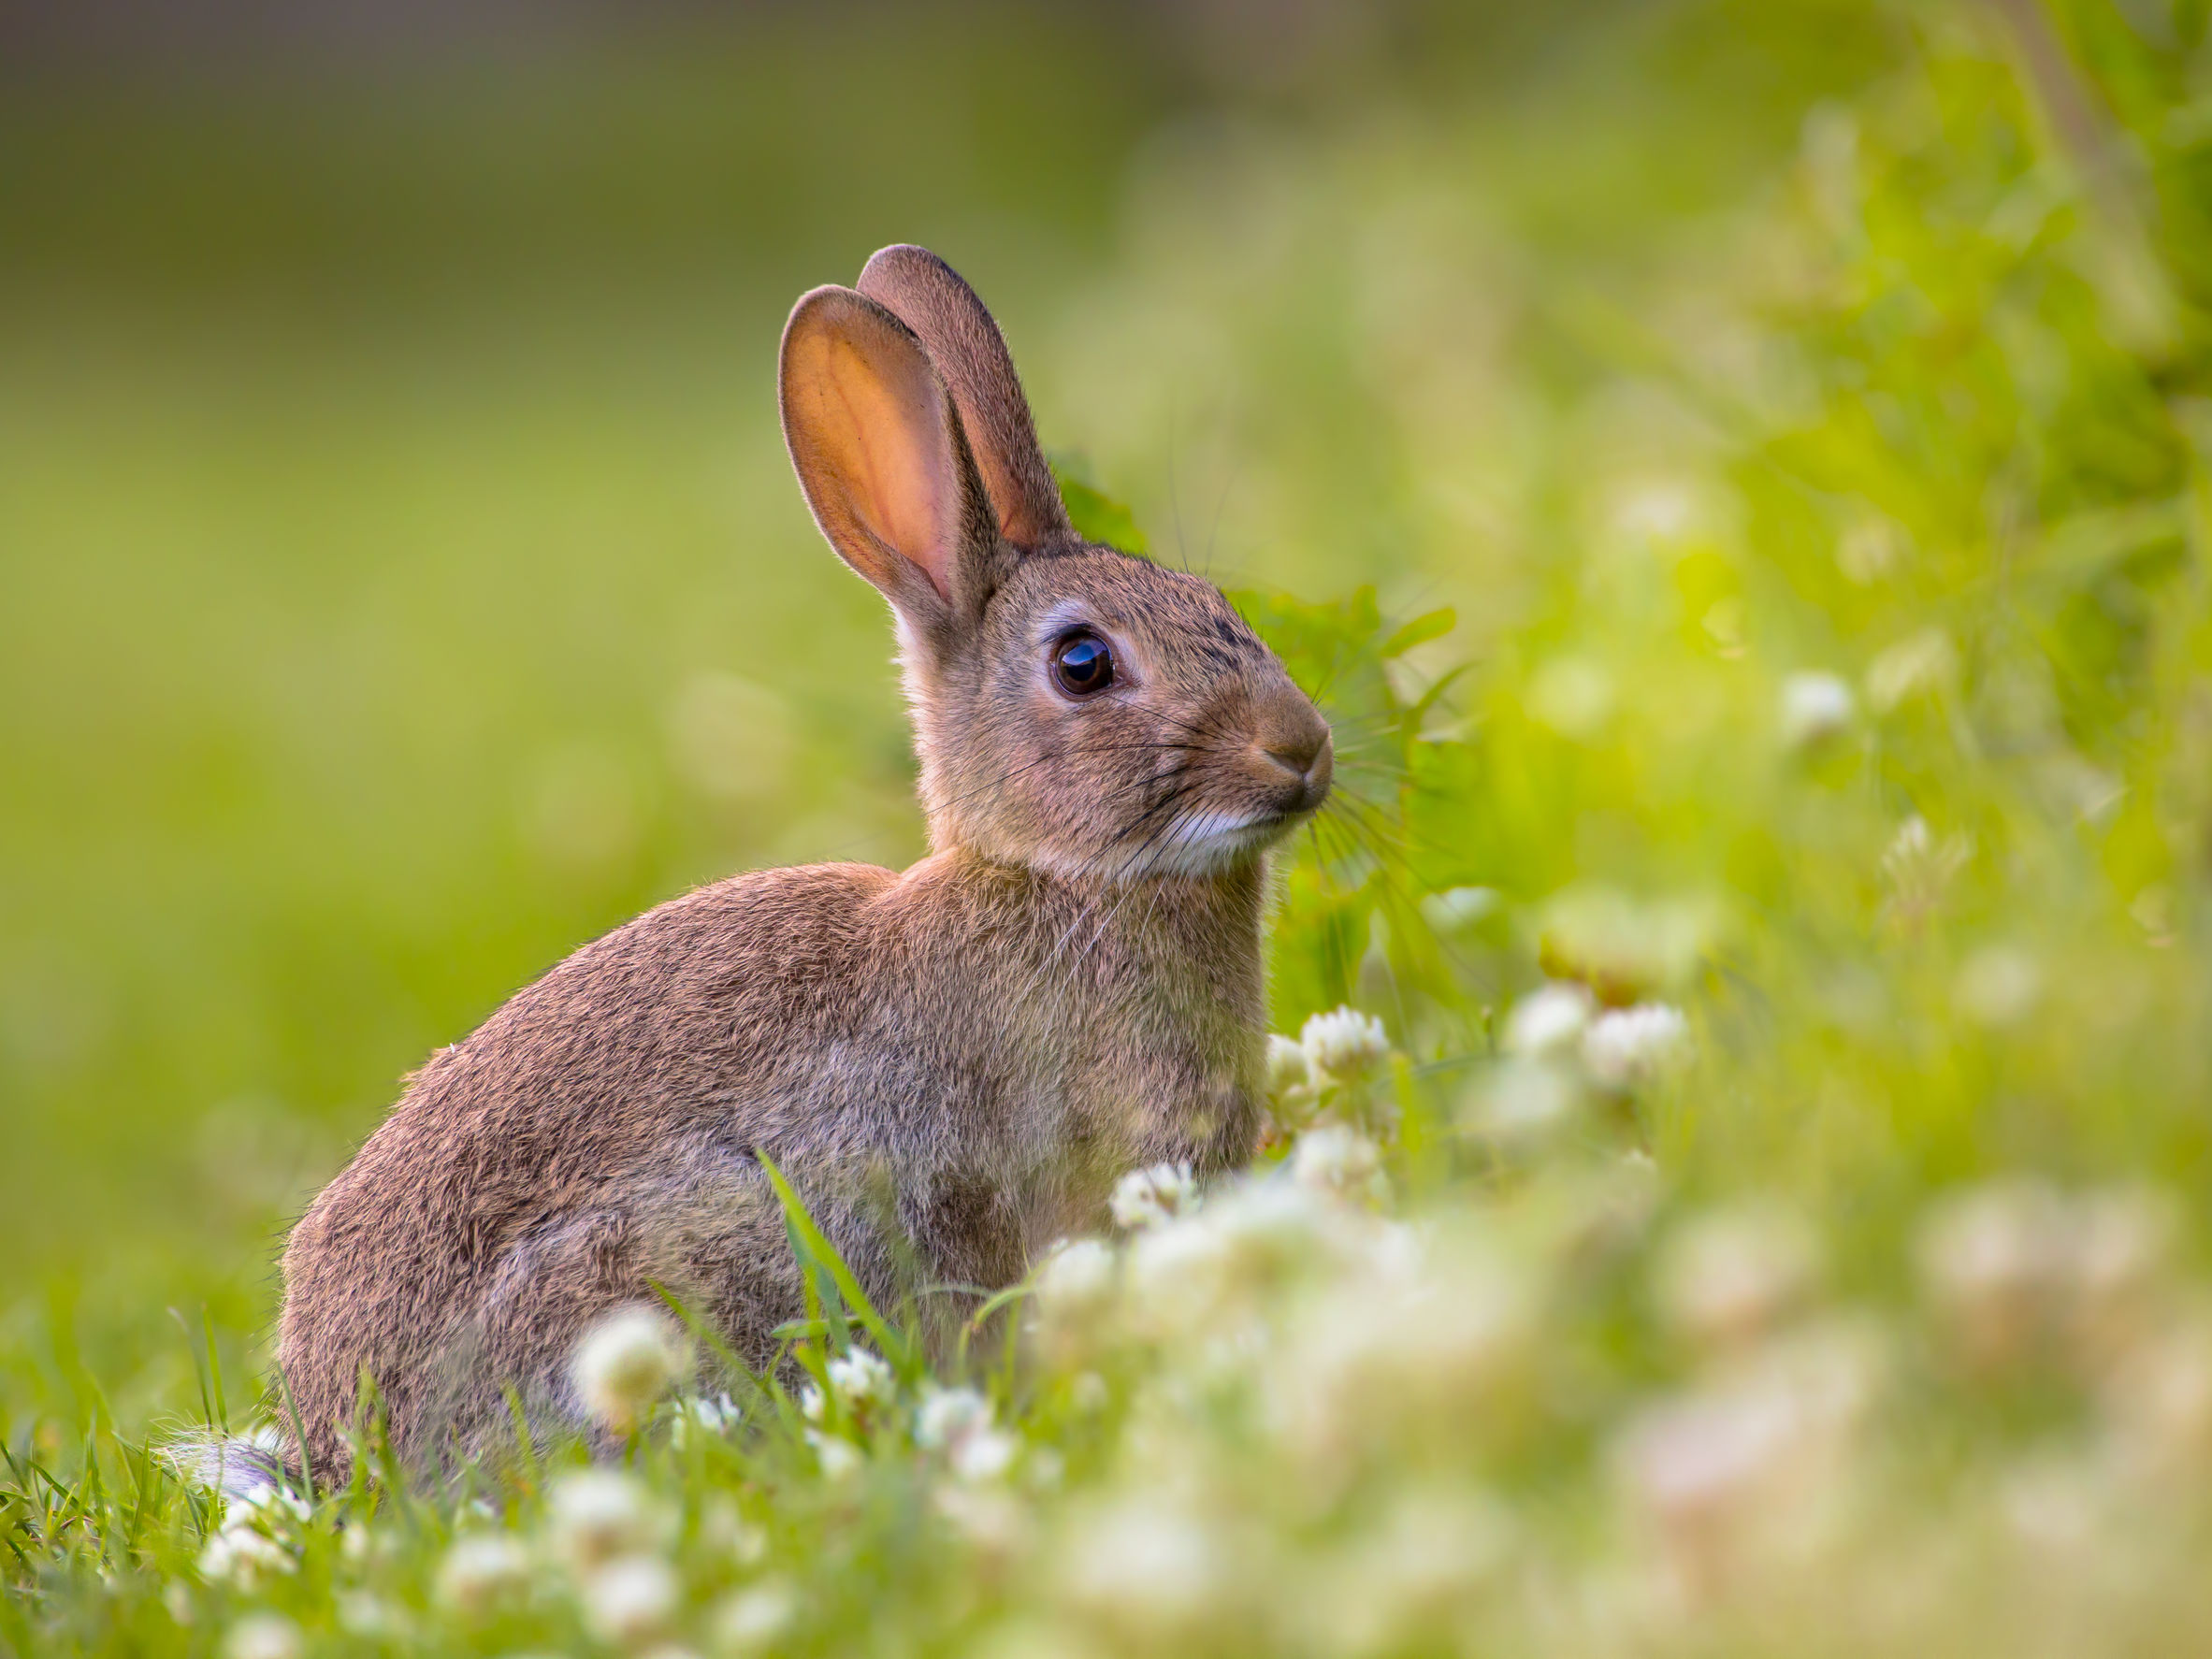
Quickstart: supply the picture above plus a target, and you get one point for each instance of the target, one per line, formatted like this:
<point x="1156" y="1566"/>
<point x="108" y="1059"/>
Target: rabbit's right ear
<point x="879" y="449"/>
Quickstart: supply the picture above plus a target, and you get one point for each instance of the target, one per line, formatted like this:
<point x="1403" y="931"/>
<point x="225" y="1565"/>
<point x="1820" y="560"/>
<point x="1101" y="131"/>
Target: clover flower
<point x="1078" y="1279"/>
<point x="1177" y="1273"/>
<point x="750" y="1619"/>
<point x="1288" y="1069"/>
<point x="1549" y="1021"/>
<point x="1731" y="1275"/>
<point x="481" y="1572"/>
<point x="1148" y="1197"/>
<point x="1814" y="708"/>
<point x="625" y="1363"/>
<point x="365" y="1614"/>
<point x="984" y="1455"/>
<point x="1994" y="1262"/>
<point x="839" y="1458"/>
<point x="946" y="1414"/>
<point x="713" y="1417"/>
<point x="1339" y="1161"/>
<point x="244" y="1558"/>
<point x="1627" y="1047"/>
<point x="597" y="1515"/>
<point x="1754" y="1466"/>
<point x="860" y="1377"/>
<point x="959" y="1423"/>
<point x="1343" y="1045"/>
<point x="1154" y="1567"/>
<point x="263" y="1636"/>
<point x="630" y="1600"/>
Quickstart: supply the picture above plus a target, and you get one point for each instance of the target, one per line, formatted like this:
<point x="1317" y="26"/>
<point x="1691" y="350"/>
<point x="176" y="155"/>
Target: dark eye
<point x="1082" y="665"/>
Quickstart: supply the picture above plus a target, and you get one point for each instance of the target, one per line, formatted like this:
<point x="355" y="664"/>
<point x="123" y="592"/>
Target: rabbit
<point x="952" y="1064"/>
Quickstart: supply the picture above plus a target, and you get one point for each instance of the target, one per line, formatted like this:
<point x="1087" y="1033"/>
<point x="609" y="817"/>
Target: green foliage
<point x="1766" y="462"/>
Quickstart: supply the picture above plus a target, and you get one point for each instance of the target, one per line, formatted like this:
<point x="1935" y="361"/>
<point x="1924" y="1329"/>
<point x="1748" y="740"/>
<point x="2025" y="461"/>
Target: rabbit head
<point x="1078" y="711"/>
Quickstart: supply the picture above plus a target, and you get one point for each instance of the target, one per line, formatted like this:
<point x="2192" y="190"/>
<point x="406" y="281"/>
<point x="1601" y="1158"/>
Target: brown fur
<point x="955" y="1063"/>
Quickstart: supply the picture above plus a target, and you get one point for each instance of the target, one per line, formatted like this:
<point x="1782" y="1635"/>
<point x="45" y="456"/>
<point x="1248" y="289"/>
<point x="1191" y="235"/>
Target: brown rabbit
<point x="953" y="1064"/>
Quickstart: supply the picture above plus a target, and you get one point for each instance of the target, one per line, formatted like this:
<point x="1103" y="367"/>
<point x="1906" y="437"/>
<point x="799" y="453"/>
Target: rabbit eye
<point x="1082" y="665"/>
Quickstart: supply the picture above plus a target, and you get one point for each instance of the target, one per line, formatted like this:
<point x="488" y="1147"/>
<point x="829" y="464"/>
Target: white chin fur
<point x="1202" y="845"/>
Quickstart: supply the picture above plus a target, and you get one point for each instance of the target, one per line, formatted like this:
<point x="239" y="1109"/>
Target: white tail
<point x="237" y="1465"/>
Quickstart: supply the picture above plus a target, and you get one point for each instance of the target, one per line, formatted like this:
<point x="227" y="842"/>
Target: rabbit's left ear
<point x="879" y="449"/>
<point x="966" y="345"/>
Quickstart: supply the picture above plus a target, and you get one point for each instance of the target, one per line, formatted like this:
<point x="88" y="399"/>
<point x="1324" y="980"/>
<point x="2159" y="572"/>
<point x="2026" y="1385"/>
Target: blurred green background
<point x="1740" y="476"/>
<point x="404" y="579"/>
<point x="401" y="580"/>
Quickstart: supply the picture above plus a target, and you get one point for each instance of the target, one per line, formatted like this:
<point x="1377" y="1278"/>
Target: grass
<point x="1762" y="462"/>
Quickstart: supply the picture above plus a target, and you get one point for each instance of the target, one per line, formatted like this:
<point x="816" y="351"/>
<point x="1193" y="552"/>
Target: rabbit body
<point x="952" y="1064"/>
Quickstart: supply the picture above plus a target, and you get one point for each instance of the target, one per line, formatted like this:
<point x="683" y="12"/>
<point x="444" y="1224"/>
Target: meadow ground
<point x="1737" y="478"/>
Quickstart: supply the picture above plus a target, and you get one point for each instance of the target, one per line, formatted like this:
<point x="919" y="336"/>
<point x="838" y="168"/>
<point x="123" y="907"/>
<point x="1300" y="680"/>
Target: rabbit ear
<point x="879" y="452"/>
<point x="929" y="296"/>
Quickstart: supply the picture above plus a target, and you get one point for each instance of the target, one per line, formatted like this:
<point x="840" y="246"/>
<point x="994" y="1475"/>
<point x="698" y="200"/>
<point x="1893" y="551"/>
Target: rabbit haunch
<point x="954" y="1063"/>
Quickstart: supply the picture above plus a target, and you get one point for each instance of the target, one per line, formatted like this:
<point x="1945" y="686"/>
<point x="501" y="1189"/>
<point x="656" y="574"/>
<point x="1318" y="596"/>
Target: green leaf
<point x="1434" y="626"/>
<point x="1096" y="516"/>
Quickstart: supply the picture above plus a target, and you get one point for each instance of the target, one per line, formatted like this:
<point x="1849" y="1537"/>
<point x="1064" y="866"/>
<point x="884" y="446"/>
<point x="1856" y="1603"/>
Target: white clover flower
<point x="1731" y="1275"/>
<point x="1548" y="1021"/>
<point x="840" y="1458"/>
<point x="1524" y="1101"/>
<point x="1177" y="1274"/>
<point x="1076" y="1281"/>
<point x="631" y="1600"/>
<point x="625" y="1363"/>
<point x="748" y="1619"/>
<point x="1141" y="1563"/>
<point x="263" y="1636"/>
<point x="276" y="1506"/>
<point x="364" y="1546"/>
<point x="481" y="1572"/>
<point x="1266" y="1226"/>
<point x="984" y="1455"/>
<point x="861" y="1377"/>
<point x="1344" y="1045"/>
<point x="986" y="1516"/>
<point x="1756" y="1466"/>
<point x="1626" y="1046"/>
<point x="370" y="1616"/>
<point x="1288" y="1069"/>
<point x="597" y="1515"/>
<point x="1814" y="708"/>
<point x="244" y="1559"/>
<point x="947" y="1414"/>
<point x="1418" y="1339"/>
<point x="1147" y="1197"/>
<point x="1338" y="1160"/>
<point x="723" y="1530"/>
<point x="1993" y="1260"/>
<point x="713" y="1417"/>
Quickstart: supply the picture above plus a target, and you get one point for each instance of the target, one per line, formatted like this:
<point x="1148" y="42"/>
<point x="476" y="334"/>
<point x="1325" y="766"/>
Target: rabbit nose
<point x="1305" y="753"/>
<point x="1295" y="744"/>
